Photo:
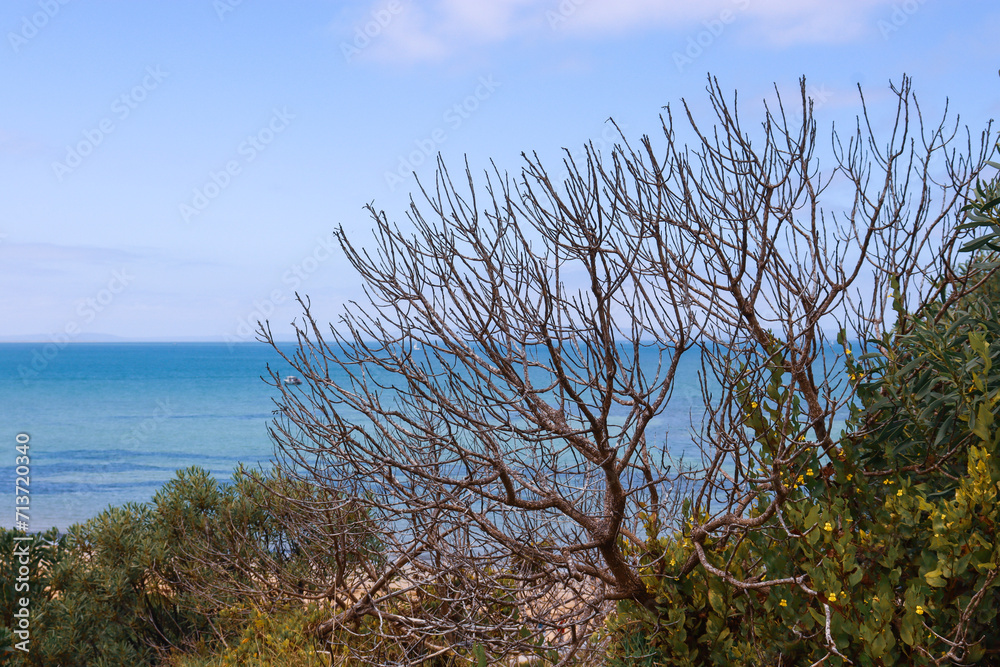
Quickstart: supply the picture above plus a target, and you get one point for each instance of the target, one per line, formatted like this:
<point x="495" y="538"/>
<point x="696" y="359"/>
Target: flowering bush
<point x="885" y="549"/>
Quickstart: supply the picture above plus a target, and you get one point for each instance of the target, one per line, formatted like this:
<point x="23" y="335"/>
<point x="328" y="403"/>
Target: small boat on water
<point x="292" y="380"/>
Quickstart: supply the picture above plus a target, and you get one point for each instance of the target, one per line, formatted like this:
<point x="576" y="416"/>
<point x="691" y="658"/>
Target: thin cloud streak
<point x="449" y="29"/>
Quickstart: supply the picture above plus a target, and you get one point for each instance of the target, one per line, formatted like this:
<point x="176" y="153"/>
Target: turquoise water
<point x="111" y="422"/>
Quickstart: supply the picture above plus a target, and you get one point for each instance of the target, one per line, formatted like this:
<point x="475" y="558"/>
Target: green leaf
<point x="984" y="419"/>
<point x="935" y="578"/>
<point x="906" y="629"/>
<point x="480" y="654"/>
<point x="717" y="601"/>
<point x="878" y="645"/>
<point x="978" y="243"/>
<point x="811" y="518"/>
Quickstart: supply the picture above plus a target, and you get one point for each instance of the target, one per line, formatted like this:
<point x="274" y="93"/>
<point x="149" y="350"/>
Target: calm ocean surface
<point x="111" y="422"/>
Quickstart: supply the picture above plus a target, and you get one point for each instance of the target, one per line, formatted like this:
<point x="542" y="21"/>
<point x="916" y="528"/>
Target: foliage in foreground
<point x="277" y="637"/>
<point x="886" y="551"/>
<point x="140" y="582"/>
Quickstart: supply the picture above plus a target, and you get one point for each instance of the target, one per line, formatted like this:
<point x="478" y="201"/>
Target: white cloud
<point x="404" y="31"/>
<point x="408" y="39"/>
<point x="784" y="23"/>
<point x="442" y="29"/>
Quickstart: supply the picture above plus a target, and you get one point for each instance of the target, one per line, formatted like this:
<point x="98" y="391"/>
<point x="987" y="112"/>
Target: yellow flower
<point x="800" y="479"/>
<point x="832" y="597"/>
<point x="850" y="476"/>
<point x="847" y="351"/>
<point x="783" y="603"/>
<point x="753" y="404"/>
<point x="810" y="472"/>
<point x="899" y="493"/>
<point x="802" y="438"/>
<point x="673" y="562"/>
<point x="920" y="610"/>
<point x="828" y="527"/>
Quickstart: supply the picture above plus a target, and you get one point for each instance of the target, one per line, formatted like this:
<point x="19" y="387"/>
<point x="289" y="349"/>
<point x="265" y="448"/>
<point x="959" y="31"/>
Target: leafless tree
<point x="491" y="402"/>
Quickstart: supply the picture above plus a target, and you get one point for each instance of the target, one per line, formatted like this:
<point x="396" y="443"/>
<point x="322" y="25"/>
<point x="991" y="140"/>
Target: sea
<point x="110" y="423"/>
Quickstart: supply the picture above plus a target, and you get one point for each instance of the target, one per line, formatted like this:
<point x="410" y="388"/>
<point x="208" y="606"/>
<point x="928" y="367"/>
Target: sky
<point x="175" y="170"/>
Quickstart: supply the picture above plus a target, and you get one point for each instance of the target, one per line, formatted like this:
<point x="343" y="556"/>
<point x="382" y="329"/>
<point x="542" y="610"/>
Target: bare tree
<point x="491" y="401"/>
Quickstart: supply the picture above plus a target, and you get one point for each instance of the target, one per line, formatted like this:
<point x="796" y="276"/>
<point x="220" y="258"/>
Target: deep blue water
<point x="111" y="422"/>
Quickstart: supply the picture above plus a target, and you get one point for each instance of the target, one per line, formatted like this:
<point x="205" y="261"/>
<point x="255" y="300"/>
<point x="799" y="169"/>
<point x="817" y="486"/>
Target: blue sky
<point x="174" y="170"/>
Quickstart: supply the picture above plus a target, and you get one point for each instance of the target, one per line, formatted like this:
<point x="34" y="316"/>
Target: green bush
<point x="96" y="601"/>
<point x="272" y="638"/>
<point x="27" y="566"/>
<point x="140" y="582"/>
<point x="892" y="535"/>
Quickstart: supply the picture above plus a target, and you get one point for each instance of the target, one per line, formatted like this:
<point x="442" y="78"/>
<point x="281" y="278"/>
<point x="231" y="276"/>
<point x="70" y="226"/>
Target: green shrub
<point x="140" y="582"/>
<point x="39" y="556"/>
<point x="887" y="545"/>
<point x="268" y="638"/>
